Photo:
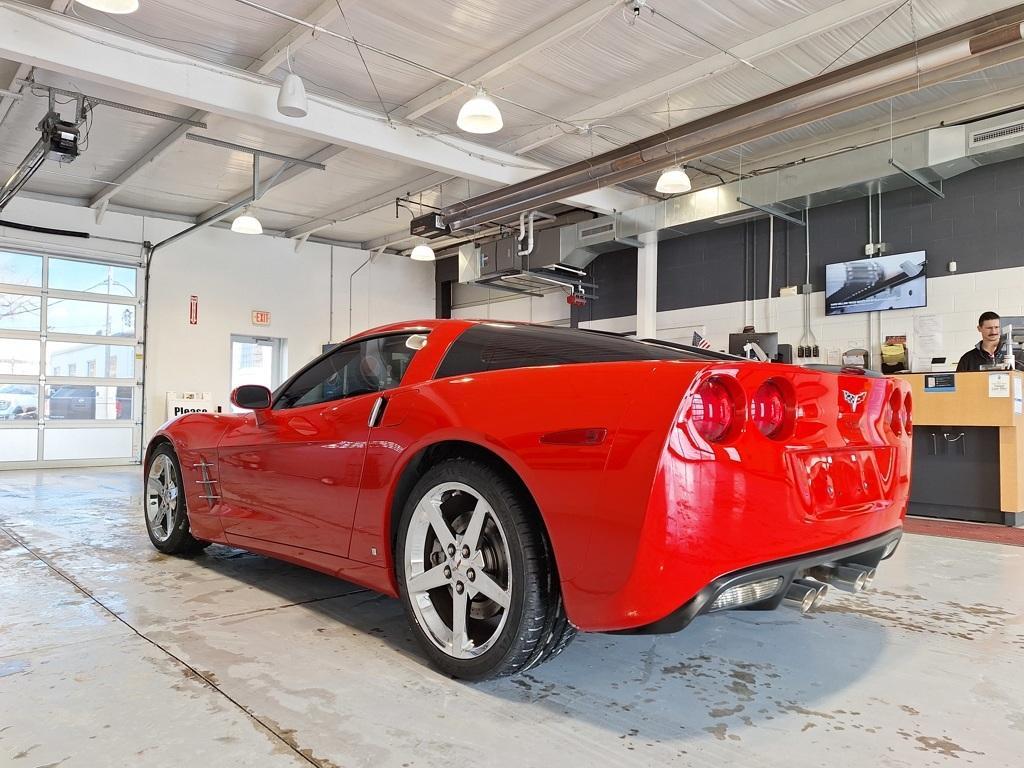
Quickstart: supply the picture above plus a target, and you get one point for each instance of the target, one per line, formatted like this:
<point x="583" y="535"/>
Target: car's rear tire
<point x="164" y="505"/>
<point x="476" y="574"/>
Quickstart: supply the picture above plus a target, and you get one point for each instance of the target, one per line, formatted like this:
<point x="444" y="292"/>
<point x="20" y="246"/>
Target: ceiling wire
<point x="861" y="39"/>
<point x="362" y="58"/>
<point x="717" y="47"/>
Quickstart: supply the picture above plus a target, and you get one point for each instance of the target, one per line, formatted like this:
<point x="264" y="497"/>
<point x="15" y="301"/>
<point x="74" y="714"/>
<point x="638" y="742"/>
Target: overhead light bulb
<point x="422" y="253"/>
<point x="673" y="181"/>
<point x="247" y="224"/>
<point x="480" y="114"/>
<point x="111" y="6"/>
<point x="291" y="99"/>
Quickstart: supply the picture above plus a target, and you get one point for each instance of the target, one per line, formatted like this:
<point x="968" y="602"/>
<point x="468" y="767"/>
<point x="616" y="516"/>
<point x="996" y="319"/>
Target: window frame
<point x="280" y="391"/>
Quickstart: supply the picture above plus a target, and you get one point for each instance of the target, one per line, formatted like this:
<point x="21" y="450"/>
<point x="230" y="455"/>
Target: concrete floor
<point x="114" y="655"/>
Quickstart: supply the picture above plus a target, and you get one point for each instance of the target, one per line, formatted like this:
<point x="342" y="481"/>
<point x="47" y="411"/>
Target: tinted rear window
<point x="495" y="348"/>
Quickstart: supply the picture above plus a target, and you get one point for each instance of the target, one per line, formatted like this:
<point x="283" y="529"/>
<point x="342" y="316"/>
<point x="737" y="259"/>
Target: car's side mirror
<point x="251" y="397"/>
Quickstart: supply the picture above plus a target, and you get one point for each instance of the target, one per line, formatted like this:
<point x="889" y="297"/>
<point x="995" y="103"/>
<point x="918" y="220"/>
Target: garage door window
<point x="70" y="352"/>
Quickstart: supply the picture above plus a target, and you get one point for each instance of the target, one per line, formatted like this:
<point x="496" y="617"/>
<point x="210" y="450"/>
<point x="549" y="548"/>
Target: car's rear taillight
<point x="769" y="409"/>
<point x="908" y="408"/>
<point x="713" y="413"/>
<point x="894" y="413"/>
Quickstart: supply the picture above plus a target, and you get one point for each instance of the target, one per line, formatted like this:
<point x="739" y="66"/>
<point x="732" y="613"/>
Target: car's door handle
<point x="378" y="412"/>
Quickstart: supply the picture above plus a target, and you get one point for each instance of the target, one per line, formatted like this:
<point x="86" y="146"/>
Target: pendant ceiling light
<point x="673" y="181"/>
<point x="422" y="253"/>
<point x="291" y="99"/>
<point x="111" y="6"/>
<point x="480" y="114"/>
<point x="247" y="224"/>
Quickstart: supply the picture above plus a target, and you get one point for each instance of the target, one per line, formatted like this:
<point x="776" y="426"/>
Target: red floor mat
<point x="951" y="529"/>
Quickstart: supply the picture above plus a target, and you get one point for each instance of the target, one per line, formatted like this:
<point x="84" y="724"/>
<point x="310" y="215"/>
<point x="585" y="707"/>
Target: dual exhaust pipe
<point x="808" y="593"/>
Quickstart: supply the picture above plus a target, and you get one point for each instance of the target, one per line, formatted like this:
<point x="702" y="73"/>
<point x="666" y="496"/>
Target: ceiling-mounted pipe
<point x="977" y="45"/>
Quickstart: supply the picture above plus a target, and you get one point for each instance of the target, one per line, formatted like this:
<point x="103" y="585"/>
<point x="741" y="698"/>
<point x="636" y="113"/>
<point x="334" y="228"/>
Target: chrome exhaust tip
<point x="820" y="591"/>
<point x="801" y="596"/>
<point x="845" y="577"/>
<point x="869" y="573"/>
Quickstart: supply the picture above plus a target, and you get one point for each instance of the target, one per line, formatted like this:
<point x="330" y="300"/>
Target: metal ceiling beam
<point x="73" y="47"/>
<point x="642" y="93"/>
<point x="297" y="37"/>
<point x="289" y="173"/>
<point x="543" y="37"/>
<point x="16" y="85"/>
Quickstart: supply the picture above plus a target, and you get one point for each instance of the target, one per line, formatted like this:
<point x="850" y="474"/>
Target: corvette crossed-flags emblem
<point x="854" y="400"/>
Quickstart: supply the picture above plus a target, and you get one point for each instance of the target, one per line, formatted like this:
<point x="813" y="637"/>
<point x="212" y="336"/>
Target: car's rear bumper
<point x="867" y="552"/>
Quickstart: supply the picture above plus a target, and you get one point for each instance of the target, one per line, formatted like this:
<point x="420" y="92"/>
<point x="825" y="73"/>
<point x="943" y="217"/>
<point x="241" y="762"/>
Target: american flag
<point x="700" y="342"/>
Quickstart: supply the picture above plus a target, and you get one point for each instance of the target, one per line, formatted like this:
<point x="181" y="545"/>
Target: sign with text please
<point x="259" y="317"/>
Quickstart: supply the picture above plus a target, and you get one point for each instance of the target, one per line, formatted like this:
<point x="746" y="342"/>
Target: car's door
<point x="294" y="478"/>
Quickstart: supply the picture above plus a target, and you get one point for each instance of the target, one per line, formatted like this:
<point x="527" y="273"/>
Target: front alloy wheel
<point x="166" y="512"/>
<point x="162" y="486"/>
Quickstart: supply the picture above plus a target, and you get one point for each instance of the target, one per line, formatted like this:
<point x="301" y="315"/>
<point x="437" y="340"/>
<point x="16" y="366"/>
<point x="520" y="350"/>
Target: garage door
<point x="70" y="361"/>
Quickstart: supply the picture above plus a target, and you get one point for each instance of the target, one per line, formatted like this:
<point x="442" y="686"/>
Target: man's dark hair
<point x="986" y="316"/>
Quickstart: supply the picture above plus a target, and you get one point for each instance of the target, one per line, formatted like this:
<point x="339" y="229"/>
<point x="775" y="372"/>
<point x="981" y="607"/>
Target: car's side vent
<point x="1000" y="133"/>
<point x="209" y="485"/>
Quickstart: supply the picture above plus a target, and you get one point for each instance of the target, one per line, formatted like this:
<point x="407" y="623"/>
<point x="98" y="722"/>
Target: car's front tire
<point x="476" y="574"/>
<point x="165" y="507"/>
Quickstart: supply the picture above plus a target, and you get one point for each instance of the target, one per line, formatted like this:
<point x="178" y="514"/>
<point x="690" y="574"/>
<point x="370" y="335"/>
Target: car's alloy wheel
<point x="476" y="574"/>
<point x="457" y="570"/>
<point x="162" y="486"/>
<point x="166" y="512"/>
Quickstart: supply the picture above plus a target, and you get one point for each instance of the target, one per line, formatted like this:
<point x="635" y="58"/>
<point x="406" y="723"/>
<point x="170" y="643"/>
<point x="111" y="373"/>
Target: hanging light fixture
<point x="111" y="6"/>
<point x="291" y="99"/>
<point x="480" y="114"/>
<point x="422" y="252"/>
<point x="673" y="181"/>
<point x="246" y="223"/>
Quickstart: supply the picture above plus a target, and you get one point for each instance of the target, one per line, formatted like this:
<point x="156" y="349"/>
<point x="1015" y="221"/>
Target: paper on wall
<point x="1018" y="395"/>
<point x="928" y="336"/>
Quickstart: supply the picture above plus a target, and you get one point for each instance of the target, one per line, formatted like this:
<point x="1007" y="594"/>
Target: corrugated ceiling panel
<point x="216" y="30"/>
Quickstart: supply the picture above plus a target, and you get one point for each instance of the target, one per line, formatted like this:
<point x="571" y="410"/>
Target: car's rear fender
<point x="506" y="413"/>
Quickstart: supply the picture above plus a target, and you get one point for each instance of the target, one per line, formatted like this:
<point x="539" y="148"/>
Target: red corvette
<point x="515" y="483"/>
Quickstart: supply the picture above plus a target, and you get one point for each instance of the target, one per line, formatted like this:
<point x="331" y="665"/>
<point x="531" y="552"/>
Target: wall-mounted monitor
<point x="887" y="282"/>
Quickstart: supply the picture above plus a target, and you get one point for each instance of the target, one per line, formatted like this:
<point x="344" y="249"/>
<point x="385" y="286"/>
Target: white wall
<point x="475" y="302"/>
<point x="232" y="275"/>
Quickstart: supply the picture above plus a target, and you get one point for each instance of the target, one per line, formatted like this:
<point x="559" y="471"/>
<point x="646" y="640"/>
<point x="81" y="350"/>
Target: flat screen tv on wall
<point x="887" y="282"/>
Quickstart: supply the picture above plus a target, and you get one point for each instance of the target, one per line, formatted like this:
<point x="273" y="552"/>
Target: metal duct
<point x="968" y="48"/>
<point x="940" y="153"/>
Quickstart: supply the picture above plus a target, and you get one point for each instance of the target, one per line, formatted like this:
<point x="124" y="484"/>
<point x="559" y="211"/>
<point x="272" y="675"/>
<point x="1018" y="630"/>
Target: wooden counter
<point x="970" y="405"/>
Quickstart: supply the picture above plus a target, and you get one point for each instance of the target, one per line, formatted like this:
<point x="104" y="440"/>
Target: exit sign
<point x="260" y="317"/>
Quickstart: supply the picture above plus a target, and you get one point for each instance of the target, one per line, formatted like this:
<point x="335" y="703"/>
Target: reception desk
<point x="968" y="446"/>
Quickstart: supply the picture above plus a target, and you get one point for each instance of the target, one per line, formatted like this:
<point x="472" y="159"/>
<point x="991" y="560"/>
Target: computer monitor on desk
<point x="1013" y="334"/>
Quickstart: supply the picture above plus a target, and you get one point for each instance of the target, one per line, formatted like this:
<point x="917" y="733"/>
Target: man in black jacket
<point x="988" y="351"/>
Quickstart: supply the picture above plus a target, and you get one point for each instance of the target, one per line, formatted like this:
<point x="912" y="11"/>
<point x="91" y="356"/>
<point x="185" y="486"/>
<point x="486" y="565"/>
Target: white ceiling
<point x="627" y="79"/>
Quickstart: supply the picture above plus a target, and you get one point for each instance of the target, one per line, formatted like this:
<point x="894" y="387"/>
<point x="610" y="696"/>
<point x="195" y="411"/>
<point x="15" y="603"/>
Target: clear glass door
<point x="256" y="360"/>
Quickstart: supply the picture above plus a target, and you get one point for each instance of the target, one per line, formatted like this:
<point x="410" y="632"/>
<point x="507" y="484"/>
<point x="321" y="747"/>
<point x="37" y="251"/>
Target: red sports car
<point x="514" y="483"/>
